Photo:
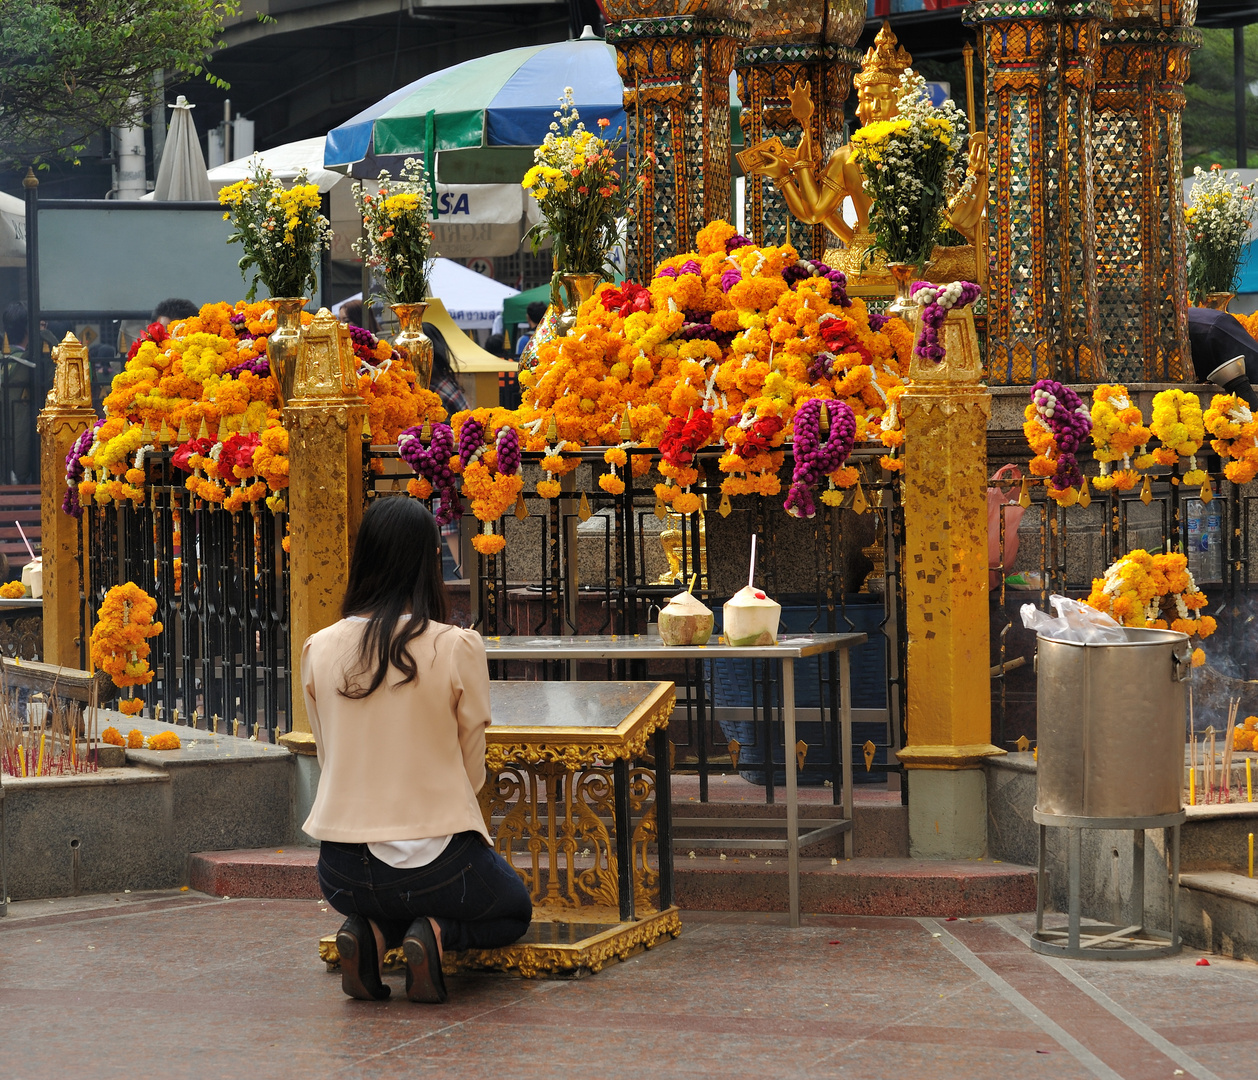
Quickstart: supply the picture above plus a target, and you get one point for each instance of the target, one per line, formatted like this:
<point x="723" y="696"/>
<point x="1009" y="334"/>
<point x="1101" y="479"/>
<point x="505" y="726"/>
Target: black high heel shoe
<point x="360" y="961"/>
<point x="424" y="980"/>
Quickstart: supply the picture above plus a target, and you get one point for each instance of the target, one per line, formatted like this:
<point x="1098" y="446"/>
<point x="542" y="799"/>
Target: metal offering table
<point x="785" y="652"/>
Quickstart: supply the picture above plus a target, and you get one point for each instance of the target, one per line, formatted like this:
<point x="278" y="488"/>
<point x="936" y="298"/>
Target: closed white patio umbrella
<point x="182" y="176"/>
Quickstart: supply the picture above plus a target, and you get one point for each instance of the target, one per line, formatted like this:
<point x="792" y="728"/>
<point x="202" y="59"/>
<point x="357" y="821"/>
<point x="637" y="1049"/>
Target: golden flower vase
<point x="577" y="288"/>
<point x="284" y="343"/>
<point x="904" y="274"/>
<point x="412" y="343"/>
<point x="1217" y="301"/>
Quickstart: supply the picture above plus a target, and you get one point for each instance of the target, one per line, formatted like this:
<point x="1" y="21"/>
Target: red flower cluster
<point x="683" y="437"/>
<point x="237" y="453"/>
<point x="759" y="436"/>
<point x="186" y="451"/>
<point x="625" y="301"/>
<point x="155" y="332"/>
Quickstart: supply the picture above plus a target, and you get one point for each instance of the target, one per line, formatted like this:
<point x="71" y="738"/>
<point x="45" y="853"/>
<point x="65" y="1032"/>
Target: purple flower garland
<point x="508" y="450"/>
<point x="814" y="458"/>
<point x="935" y="308"/>
<point x="432" y="462"/>
<point x="74" y="470"/>
<point x="1062" y="411"/>
<point x="258" y="365"/>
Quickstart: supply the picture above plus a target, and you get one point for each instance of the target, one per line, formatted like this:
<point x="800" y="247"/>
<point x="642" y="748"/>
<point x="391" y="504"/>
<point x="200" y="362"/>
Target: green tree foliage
<point x="1210" y="118"/>
<point x="71" y="67"/>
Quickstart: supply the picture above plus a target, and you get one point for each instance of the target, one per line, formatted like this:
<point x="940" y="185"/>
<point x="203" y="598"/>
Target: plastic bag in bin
<point x="1075" y="621"/>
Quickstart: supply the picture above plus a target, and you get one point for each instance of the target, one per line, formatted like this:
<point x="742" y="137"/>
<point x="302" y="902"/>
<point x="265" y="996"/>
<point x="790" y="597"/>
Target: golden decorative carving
<point x="591" y="954"/>
<point x="572" y="747"/>
<point x="72" y="383"/>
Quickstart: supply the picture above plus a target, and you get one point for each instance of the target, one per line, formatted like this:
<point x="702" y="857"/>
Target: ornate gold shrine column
<point x="325" y="488"/>
<point x="1042" y="313"/>
<point x="794" y="41"/>
<point x="675" y="57"/>
<point x="949" y="724"/>
<point x="1141" y="240"/>
<point x="67" y="413"/>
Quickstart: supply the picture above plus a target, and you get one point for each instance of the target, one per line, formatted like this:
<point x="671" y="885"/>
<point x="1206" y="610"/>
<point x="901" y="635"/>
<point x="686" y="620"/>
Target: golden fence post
<point x="949" y="721"/>
<point x="324" y="419"/>
<point x="67" y="413"/>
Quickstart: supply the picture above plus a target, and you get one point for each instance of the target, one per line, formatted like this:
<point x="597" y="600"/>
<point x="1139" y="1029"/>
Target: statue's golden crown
<point x="885" y="61"/>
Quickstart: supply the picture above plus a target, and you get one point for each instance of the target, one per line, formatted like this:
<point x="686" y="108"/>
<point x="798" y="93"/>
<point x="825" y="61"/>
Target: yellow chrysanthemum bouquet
<point x="577" y="182"/>
<point x="906" y="163"/>
<point x="397" y="237"/>
<point x="281" y="230"/>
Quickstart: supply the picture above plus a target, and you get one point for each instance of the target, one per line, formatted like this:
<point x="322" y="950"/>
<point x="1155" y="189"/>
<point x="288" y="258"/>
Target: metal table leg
<point x="845" y="733"/>
<point x="1075" y="856"/>
<point x="792" y="791"/>
<point x="664" y="816"/>
<point x="1137" y="879"/>
<point x="624" y="833"/>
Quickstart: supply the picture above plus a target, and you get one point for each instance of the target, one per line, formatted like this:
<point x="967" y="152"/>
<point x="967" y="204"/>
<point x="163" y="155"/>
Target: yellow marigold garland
<point x="12" y="590"/>
<point x="1118" y="433"/>
<point x="1179" y="425"/>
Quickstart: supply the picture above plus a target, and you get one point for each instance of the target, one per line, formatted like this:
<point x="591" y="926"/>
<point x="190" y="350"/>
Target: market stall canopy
<point x="12" y="231"/>
<point x="182" y="176"/>
<point x="474" y="219"/>
<point x="515" y="309"/>
<point x="471" y="300"/>
<point x="482" y="119"/>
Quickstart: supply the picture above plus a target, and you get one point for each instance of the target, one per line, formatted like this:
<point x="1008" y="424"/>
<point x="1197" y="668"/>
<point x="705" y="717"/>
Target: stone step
<point x="913" y="887"/>
<point x="1219" y="913"/>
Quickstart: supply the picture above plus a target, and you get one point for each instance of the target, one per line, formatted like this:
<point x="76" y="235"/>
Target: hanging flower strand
<point x="937" y="301"/>
<point x="815" y="458"/>
<point x="432" y="464"/>
<point x="1057" y="422"/>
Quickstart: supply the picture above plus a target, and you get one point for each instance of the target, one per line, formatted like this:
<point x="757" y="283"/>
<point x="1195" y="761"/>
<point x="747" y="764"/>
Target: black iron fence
<point x="220" y="579"/>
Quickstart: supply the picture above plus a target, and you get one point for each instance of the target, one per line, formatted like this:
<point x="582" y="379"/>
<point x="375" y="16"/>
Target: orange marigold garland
<point x="1235" y="433"/>
<point x="119" y="644"/>
<point x="1153" y="591"/>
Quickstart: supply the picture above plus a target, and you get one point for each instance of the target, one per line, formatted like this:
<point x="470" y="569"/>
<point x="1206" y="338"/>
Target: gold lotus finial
<point x="885" y="61"/>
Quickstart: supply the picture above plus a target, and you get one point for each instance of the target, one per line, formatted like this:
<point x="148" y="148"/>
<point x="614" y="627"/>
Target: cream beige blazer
<point x="406" y="762"/>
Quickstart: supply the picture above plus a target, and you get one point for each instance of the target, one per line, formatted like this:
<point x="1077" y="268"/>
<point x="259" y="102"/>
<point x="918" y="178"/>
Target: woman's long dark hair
<point x="395" y="570"/>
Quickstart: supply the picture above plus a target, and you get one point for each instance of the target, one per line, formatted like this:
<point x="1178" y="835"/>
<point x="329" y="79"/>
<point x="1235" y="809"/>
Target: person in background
<point x="536" y="313"/>
<point x="351" y="312"/>
<point x="17" y="381"/>
<point x="398" y="702"/>
<point x="445" y="384"/>
<point x="173" y="309"/>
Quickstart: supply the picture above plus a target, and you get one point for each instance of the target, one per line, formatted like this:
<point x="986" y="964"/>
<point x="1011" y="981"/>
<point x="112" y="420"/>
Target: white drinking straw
<point x="751" y="573"/>
<point x="32" y="551"/>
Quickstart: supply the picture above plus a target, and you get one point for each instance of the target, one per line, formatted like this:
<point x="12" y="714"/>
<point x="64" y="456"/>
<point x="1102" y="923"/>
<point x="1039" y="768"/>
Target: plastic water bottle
<point x="1205" y="542"/>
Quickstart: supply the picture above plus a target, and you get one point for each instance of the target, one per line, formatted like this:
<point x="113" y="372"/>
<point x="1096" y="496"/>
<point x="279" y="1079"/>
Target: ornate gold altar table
<point x="575" y="804"/>
<point x="784" y="653"/>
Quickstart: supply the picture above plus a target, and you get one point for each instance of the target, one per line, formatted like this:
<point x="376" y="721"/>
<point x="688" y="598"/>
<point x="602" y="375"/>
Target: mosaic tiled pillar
<point x="765" y="73"/>
<point x="1137" y="107"/>
<point x="1039" y="59"/>
<point x="676" y="74"/>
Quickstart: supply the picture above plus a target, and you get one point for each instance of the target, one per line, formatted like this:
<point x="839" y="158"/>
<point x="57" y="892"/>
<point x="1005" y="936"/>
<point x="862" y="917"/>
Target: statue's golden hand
<point x="965" y="210"/>
<point x="800" y="96"/>
<point x="773" y="166"/>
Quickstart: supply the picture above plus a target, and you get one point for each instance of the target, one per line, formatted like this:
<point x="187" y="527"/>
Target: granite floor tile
<point x="184" y="985"/>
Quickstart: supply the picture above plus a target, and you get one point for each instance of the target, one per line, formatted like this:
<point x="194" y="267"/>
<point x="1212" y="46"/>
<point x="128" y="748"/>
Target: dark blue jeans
<point x="470" y="890"/>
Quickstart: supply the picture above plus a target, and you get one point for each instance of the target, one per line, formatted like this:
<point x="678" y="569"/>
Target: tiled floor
<point x="187" y="985"/>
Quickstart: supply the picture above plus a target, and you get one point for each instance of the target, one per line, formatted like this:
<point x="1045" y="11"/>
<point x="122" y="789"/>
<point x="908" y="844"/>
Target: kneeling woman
<point x="398" y="702"/>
